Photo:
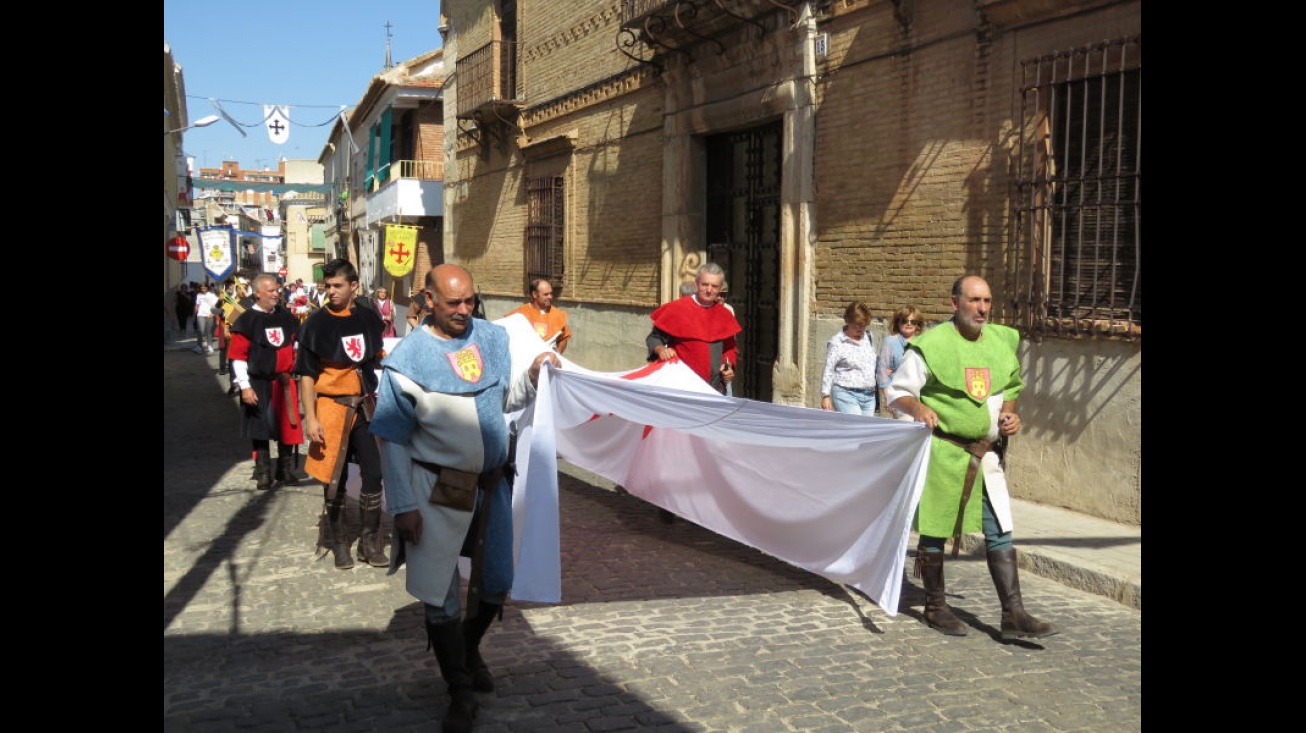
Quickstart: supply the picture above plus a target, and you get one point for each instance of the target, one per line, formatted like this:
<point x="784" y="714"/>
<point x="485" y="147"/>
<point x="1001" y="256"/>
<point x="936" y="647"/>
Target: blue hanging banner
<point x="218" y="247"/>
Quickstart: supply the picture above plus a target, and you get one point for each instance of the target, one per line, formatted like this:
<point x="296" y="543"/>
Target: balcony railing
<point x="486" y="76"/>
<point x="668" y="25"/>
<point x="422" y="170"/>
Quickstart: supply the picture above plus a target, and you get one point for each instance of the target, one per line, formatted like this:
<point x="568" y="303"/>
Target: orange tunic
<point x="547" y="324"/>
<point x="337" y="421"/>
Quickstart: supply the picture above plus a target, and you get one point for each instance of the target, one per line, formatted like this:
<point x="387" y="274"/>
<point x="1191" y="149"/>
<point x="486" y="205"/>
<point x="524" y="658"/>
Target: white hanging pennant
<point x="277" y="119"/>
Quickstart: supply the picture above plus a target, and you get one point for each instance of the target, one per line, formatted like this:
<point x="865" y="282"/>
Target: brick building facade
<point x="822" y="152"/>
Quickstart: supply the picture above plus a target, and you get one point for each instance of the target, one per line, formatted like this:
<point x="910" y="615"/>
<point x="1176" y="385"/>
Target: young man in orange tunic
<point x="340" y="348"/>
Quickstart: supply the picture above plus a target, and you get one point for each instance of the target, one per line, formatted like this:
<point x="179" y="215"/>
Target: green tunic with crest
<point x="963" y="375"/>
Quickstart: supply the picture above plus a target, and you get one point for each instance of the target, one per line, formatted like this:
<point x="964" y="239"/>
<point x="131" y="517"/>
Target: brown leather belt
<point x="976" y="449"/>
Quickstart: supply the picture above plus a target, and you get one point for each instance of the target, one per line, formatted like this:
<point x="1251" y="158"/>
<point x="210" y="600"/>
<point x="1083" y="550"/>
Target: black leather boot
<point x="929" y="568"/>
<point x="473" y="632"/>
<point x="262" y="470"/>
<point x="447" y="641"/>
<point x="288" y="473"/>
<point x="1016" y="624"/>
<point x="369" y="542"/>
<point x="332" y="533"/>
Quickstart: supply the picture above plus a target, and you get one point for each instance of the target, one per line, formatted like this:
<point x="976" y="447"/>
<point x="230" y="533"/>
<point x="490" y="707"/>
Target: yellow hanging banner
<point x="400" y="249"/>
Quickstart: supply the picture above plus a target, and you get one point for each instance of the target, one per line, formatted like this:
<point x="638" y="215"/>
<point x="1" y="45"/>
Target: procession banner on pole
<point x="217" y="247"/>
<point x="400" y="249"/>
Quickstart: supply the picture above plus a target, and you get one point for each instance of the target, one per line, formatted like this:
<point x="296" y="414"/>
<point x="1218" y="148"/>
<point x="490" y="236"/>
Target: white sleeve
<point x="909" y="378"/>
<point x="240" y="373"/>
<point x="827" y="374"/>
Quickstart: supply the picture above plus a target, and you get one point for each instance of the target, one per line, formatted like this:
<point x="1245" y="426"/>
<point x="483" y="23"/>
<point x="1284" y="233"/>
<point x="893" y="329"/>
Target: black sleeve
<point x="656" y="338"/>
<point x="306" y="363"/>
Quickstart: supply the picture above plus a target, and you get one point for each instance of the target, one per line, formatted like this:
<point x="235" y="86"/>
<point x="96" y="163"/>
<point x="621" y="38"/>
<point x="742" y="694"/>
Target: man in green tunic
<point x="962" y="379"/>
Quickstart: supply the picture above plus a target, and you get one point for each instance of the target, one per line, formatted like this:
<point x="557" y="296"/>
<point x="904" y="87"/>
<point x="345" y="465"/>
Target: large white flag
<point x="277" y="119"/>
<point x="827" y="492"/>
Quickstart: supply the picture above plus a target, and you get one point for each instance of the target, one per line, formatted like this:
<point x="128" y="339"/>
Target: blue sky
<point x="313" y="56"/>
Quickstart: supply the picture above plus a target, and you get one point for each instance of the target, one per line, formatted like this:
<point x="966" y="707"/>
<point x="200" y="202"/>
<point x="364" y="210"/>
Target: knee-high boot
<point x="473" y="632"/>
<point x="929" y="568"/>
<point x="447" y="641"/>
<point x="262" y="470"/>
<point x="332" y="533"/>
<point x="369" y="541"/>
<point x="1016" y="624"/>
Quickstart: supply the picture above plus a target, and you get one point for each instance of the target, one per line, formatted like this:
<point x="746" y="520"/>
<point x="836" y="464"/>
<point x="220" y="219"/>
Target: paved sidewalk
<point x="1077" y="550"/>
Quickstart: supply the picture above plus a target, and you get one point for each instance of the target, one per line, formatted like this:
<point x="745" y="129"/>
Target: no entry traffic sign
<point x="178" y="248"/>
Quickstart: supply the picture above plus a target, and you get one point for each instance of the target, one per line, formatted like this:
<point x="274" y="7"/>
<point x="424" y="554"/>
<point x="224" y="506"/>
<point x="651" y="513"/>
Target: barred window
<point x="544" y="231"/>
<point x="1078" y="218"/>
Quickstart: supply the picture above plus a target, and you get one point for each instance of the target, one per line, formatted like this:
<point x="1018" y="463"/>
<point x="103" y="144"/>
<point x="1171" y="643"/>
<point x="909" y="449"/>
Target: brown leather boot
<point x="1016" y="624"/>
<point x="929" y="568"/>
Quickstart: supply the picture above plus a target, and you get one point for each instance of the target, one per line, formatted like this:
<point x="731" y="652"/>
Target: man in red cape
<point x="698" y="330"/>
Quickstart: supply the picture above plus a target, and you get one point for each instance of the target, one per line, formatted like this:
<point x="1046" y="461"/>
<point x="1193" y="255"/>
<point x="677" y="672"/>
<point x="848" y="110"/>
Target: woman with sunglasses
<point x="906" y="325"/>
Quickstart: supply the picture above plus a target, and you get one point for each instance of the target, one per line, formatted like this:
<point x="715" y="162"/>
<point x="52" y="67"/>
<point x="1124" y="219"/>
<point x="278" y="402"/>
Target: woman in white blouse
<point x="848" y="380"/>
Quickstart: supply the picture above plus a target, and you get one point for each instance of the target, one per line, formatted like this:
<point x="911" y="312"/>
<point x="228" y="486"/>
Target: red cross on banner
<point x="400" y="249"/>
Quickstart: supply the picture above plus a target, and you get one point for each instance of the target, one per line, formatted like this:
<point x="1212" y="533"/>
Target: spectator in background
<point x="723" y="296"/>
<point x="385" y="307"/>
<point x="300" y="300"/>
<point x="184" y="307"/>
<point x="228" y="310"/>
<point x="205" y="303"/>
<point x="906" y="325"/>
<point x="848" y="380"/>
<point x="416" y="313"/>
